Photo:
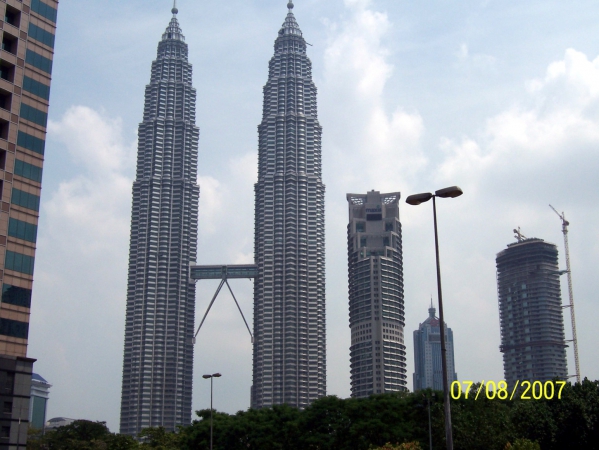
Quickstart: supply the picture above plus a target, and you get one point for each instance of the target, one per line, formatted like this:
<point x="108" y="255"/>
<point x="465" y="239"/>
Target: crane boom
<point x="565" y="224"/>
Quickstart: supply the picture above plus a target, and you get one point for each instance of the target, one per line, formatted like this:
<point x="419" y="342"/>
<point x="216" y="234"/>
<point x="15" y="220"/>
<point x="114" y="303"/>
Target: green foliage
<point x="81" y="435"/>
<point x="331" y="423"/>
<point x="159" y="438"/>
<point x="406" y="446"/>
<point x="523" y="444"/>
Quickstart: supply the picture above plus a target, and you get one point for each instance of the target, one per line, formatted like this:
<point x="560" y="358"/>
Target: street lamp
<point x="214" y="375"/>
<point x="430" y="433"/>
<point x="417" y="199"/>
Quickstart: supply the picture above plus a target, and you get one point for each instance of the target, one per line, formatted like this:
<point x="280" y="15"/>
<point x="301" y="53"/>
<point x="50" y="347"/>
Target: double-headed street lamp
<point x="417" y="199"/>
<point x="214" y="375"/>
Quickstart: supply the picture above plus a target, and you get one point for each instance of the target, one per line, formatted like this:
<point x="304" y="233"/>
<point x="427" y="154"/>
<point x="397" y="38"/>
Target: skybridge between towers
<point x="223" y="273"/>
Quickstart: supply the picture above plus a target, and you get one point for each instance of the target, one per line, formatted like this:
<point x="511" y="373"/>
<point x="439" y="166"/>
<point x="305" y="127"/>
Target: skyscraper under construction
<point x="158" y="360"/>
<point x="289" y="297"/>
<point x="530" y="312"/>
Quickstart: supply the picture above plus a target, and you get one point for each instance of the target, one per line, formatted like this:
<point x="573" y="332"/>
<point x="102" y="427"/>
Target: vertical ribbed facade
<point x="289" y="295"/>
<point x="428" y="368"/>
<point x="530" y="312"/>
<point x="376" y="301"/>
<point x="158" y="361"/>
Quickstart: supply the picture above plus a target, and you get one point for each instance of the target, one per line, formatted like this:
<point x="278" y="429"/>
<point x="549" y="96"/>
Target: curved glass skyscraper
<point x="158" y="361"/>
<point x="289" y="296"/>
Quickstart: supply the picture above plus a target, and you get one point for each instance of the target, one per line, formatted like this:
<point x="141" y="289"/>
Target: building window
<point x="16" y="295"/>
<point x="41" y="35"/>
<point x="14" y="328"/>
<point x="22" y="230"/>
<point x="31" y="142"/>
<point x="7" y="409"/>
<point x="25" y="199"/>
<point x="44" y="10"/>
<point x="9" y="43"/>
<point x="36" y="88"/>
<point x="12" y="16"/>
<point x="34" y="115"/>
<point x="19" y="262"/>
<point x="38" y="61"/>
<point x="4" y="129"/>
<point x="27" y="170"/>
<point x="7" y="71"/>
<point x="5" y="100"/>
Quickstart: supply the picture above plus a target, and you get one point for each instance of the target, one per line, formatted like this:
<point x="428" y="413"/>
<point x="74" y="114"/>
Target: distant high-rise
<point x="428" y="371"/>
<point x="158" y="361"/>
<point x="376" y="303"/>
<point x="530" y="311"/>
<point x="289" y="294"/>
<point x="28" y="31"/>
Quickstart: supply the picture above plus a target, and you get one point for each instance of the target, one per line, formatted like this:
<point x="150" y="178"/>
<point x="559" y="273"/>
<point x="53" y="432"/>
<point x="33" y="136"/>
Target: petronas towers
<point x="289" y="357"/>
<point x="289" y="297"/>
<point x="158" y="361"/>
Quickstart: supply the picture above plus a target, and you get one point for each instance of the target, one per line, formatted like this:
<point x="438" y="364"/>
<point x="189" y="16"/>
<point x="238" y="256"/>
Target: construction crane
<point x="519" y="236"/>
<point x="565" y="224"/>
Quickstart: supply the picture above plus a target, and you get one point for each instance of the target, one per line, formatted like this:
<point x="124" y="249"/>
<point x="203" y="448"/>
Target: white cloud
<point x="79" y="296"/>
<point x="366" y="143"/>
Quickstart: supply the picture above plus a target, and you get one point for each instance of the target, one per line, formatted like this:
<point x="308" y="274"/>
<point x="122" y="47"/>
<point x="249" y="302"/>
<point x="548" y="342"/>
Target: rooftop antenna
<point x="519" y="235"/>
<point x="565" y="224"/>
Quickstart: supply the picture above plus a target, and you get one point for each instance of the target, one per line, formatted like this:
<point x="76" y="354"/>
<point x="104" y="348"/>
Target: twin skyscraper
<point x="289" y="294"/>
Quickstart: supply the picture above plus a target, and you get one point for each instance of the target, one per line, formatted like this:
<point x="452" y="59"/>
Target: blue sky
<point x="500" y="98"/>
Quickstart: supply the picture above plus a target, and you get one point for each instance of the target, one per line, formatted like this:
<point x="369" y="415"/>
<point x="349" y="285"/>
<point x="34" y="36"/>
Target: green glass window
<point x="31" y="142"/>
<point x="25" y="199"/>
<point x="16" y="295"/>
<point x="35" y="87"/>
<point x="27" y="170"/>
<point x="14" y="328"/>
<point x="34" y="115"/>
<point x="38" y="61"/>
<point x="44" y="10"/>
<point x="41" y="35"/>
<point x="22" y="230"/>
<point x="19" y="262"/>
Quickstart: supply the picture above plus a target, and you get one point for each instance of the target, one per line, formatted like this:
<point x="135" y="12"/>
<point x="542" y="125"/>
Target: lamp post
<point x="430" y="432"/>
<point x="417" y="199"/>
<point x="214" y="375"/>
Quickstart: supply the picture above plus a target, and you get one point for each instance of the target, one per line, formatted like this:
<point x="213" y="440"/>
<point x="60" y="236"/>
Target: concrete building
<point x="376" y="302"/>
<point x="27" y="28"/>
<point x="158" y="357"/>
<point x="530" y="311"/>
<point x="40" y="393"/>
<point x="289" y="360"/>
<point x="428" y="370"/>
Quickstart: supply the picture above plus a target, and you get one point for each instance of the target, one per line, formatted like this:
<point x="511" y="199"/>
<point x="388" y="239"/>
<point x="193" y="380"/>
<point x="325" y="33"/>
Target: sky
<point x="500" y="98"/>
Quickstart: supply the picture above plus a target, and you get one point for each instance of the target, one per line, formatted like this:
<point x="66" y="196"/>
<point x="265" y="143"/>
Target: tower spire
<point x="174" y="10"/>
<point x="290" y="25"/>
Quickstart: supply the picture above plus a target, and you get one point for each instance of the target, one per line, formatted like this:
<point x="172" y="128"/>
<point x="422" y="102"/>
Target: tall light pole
<point x="214" y="375"/>
<point x="430" y="431"/>
<point x="417" y="199"/>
